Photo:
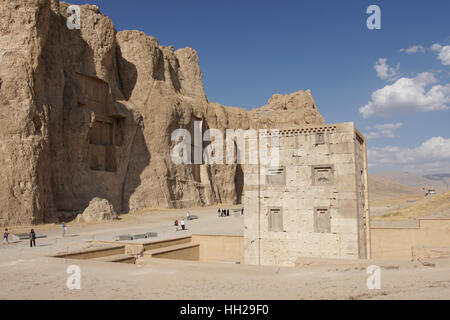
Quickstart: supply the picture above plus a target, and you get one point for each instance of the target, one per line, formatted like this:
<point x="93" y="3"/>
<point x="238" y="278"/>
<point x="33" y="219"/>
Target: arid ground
<point x="31" y="273"/>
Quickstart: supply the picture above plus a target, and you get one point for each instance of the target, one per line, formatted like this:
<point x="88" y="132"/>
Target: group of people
<point x="182" y="223"/>
<point x="223" y="212"/>
<point x="226" y="212"/>
<point x="31" y="236"/>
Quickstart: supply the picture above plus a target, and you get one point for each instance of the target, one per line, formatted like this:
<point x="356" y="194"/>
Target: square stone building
<point x="314" y="202"/>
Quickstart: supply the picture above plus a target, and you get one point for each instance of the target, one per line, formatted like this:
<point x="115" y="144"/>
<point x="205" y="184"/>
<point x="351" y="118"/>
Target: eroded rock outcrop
<point x="89" y="113"/>
<point x="99" y="210"/>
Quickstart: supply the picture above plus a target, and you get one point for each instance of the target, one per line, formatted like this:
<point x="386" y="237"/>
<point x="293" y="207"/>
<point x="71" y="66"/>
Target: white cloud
<point x="413" y="49"/>
<point x="443" y="53"/>
<point x="436" y="47"/>
<point x="385" y="71"/>
<point x="408" y="95"/>
<point x="387" y="130"/>
<point x="444" y="56"/>
<point x="432" y="156"/>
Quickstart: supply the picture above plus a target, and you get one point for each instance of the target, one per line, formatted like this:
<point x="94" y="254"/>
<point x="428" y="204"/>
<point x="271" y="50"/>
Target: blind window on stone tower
<point x="320" y="138"/>
<point x="276" y="176"/>
<point x="275" y="220"/>
<point x="322" y="175"/>
<point x="322" y="220"/>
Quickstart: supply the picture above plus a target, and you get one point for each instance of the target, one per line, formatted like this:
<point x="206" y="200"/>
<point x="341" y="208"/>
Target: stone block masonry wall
<point x="313" y="203"/>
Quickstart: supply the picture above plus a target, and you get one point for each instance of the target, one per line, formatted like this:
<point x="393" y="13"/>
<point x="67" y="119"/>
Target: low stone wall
<point x="93" y="253"/>
<point x="220" y="248"/>
<point x="208" y="248"/>
<point x="178" y="252"/>
<point x="430" y="240"/>
<point x="166" y="243"/>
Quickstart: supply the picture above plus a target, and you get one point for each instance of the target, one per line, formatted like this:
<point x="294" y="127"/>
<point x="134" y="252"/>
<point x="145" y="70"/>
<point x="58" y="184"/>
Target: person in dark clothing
<point x="32" y="238"/>
<point x="6" y="235"/>
<point x="218" y="213"/>
<point x="228" y="212"/>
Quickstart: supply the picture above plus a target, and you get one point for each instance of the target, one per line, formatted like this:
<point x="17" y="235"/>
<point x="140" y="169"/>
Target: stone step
<point x="115" y="258"/>
<point x="167" y="249"/>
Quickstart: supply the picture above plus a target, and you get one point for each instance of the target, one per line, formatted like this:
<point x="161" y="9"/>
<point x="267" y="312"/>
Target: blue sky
<point x="250" y="50"/>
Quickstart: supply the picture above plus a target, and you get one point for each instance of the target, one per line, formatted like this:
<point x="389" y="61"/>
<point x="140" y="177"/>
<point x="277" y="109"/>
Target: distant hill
<point x="382" y="188"/>
<point x="443" y="179"/>
<point x="428" y="207"/>
<point x="440" y="182"/>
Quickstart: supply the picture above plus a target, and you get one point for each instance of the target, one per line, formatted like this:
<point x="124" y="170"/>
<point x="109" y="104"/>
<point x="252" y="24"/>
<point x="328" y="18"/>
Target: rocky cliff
<point x="89" y="113"/>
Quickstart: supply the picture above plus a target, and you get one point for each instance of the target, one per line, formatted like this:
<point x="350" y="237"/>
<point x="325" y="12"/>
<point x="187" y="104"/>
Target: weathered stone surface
<point x="89" y="113"/>
<point x="99" y="210"/>
<point x="304" y="207"/>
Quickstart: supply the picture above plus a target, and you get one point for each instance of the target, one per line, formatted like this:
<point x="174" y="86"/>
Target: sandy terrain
<point x="27" y="273"/>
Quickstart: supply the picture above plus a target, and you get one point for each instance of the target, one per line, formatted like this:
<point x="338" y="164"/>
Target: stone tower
<point x="313" y="202"/>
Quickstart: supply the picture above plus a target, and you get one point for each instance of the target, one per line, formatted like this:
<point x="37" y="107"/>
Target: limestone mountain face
<point x="89" y="113"/>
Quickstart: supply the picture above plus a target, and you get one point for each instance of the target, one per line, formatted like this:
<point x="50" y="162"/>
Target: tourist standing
<point x="218" y="212"/>
<point x="228" y="212"/>
<point x="64" y="228"/>
<point x="6" y="235"/>
<point x="183" y="225"/>
<point x="176" y="224"/>
<point x="188" y="216"/>
<point x="32" y="236"/>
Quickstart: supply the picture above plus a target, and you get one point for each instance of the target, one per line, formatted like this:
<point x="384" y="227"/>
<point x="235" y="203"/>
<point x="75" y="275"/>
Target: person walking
<point x="64" y="228"/>
<point x="228" y="212"/>
<point x="188" y="216"/>
<point x="218" y="212"/>
<point x="176" y="224"/>
<point x="32" y="236"/>
<point x="5" y="236"/>
<point x="183" y="225"/>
